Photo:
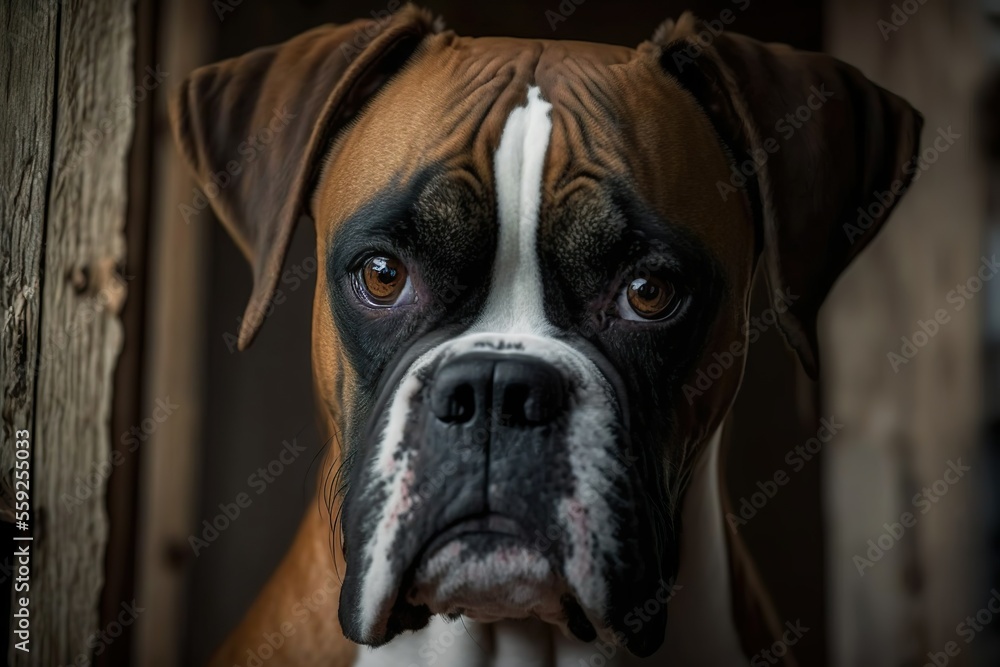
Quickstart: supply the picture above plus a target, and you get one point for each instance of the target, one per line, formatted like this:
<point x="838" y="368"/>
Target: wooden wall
<point x="905" y="425"/>
<point x="67" y="123"/>
<point x="174" y="368"/>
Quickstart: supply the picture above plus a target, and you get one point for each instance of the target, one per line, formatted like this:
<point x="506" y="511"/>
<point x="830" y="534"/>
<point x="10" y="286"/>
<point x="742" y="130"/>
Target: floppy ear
<point x="254" y="129"/>
<point x="822" y="153"/>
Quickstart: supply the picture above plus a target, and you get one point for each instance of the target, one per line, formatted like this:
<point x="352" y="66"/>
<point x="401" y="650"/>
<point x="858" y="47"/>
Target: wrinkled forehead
<point x="620" y="127"/>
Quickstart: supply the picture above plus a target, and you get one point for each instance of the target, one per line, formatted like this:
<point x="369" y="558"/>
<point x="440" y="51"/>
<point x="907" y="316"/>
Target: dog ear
<point x="823" y="153"/>
<point x="254" y="129"/>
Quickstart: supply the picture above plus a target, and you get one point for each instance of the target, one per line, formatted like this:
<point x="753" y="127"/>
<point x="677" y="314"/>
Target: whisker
<point x="481" y="649"/>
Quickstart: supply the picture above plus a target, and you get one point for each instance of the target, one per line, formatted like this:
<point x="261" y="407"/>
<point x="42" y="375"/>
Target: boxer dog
<point x="527" y="249"/>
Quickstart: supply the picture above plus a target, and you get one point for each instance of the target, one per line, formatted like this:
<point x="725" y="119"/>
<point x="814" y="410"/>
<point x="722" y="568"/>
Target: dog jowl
<point x="523" y="257"/>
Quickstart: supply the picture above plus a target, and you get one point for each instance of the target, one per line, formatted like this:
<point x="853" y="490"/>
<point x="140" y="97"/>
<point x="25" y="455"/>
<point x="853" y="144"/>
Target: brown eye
<point x="650" y="298"/>
<point x="383" y="280"/>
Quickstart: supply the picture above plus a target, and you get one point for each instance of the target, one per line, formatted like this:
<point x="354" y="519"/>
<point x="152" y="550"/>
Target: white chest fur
<point x="700" y="629"/>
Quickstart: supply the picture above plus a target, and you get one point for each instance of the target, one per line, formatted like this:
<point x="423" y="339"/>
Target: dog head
<point x="527" y="250"/>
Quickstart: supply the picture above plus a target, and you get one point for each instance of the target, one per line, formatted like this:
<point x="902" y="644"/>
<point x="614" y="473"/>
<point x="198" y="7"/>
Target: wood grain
<point x="27" y="61"/>
<point x="67" y="88"/>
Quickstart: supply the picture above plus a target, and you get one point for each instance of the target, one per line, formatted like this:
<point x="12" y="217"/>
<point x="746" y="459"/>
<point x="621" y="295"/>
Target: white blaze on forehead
<point x="514" y="314"/>
<point x="514" y="305"/>
<point x="515" y="302"/>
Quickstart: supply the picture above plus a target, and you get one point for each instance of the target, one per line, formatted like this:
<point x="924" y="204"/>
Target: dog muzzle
<point x="496" y="480"/>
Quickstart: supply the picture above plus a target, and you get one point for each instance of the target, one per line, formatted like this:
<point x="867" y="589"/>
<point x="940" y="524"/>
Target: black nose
<point x="511" y="390"/>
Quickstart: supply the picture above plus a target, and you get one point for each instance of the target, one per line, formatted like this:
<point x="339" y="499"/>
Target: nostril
<point x="529" y="393"/>
<point x="527" y="405"/>
<point x="507" y="391"/>
<point x="514" y="408"/>
<point x="460" y="405"/>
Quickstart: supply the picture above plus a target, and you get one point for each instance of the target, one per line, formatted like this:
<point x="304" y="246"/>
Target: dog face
<point x="527" y="249"/>
<point x="516" y="320"/>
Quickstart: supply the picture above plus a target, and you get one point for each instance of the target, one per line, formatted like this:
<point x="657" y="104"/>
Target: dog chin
<point x="487" y="578"/>
<point x="483" y="570"/>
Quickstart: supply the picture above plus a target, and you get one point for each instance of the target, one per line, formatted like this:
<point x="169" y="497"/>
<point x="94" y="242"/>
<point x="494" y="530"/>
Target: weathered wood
<point x="67" y="106"/>
<point x="128" y="410"/>
<point x="27" y="60"/>
<point x="904" y="425"/>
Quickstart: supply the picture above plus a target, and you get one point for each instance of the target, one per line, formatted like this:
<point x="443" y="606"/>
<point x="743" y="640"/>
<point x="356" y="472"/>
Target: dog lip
<point x="490" y="523"/>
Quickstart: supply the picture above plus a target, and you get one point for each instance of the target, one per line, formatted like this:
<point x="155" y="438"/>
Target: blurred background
<point x="149" y="424"/>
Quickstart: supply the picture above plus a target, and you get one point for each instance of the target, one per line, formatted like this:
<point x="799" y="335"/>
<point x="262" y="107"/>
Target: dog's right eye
<point x="647" y="299"/>
<point x="383" y="281"/>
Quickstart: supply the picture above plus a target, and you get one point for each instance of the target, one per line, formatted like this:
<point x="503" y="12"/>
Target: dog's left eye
<point x="383" y="281"/>
<point x="645" y="299"/>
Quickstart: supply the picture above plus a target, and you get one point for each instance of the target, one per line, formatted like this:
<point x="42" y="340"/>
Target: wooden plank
<point x="82" y="50"/>
<point x="175" y="368"/>
<point x="28" y="63"/>
<point x="27" y="60"/>
<point x="904" y="425"/>
<point x="128" y="409"/>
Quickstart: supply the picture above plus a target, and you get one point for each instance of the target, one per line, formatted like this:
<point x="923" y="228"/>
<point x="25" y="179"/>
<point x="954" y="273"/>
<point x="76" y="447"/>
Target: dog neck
<point x="700" y="628"/>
